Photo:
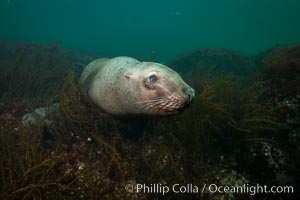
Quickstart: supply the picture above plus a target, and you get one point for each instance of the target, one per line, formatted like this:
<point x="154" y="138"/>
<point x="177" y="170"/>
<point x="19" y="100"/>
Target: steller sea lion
<point x="124" y="86"/>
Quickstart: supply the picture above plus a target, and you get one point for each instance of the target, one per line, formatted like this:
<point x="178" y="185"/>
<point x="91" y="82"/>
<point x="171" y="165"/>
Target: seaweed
<point x="96" y="136"/>
<point x="28" y="170"/>
<point x="282" y="63"/>
<point x="225" y="61"/>
<point x="79" y="152"/>
<point x="39" y="79"/>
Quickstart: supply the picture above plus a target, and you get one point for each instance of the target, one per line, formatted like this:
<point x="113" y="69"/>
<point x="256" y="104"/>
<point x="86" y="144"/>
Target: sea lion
<point x="124" y="86"/>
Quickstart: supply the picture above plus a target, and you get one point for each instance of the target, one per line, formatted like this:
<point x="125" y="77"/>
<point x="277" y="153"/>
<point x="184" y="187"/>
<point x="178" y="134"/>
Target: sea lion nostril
<point x="191" y="92"/>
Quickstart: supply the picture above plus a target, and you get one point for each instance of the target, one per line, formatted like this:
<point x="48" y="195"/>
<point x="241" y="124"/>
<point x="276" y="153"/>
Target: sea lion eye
<point x="152" y="78"/>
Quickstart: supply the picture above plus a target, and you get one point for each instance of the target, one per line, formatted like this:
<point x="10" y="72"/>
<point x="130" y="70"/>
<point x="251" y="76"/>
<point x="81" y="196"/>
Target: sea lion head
<point x="159" y="90"/>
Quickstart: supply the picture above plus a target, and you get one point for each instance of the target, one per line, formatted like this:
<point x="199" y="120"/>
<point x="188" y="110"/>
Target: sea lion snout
<point x="191" y="94"/>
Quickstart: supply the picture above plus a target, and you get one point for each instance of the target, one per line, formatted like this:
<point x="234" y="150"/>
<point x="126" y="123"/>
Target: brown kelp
<point x="283" y="62"/>
<point x="79" y="152"/>
<point x="41" y="76"/>
<point x="220" y="61"/>
<point x="94" y="140"/>
<point x="27" y="169"/>
<point x="281" y="79"/>
<point x="280" y="82"/>
<point x="35" y="72"/>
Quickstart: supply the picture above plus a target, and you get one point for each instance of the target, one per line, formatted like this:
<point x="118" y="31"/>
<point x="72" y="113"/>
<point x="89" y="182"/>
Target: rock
<point x="40" y="114"/>
<point x="220" y="60"/>
<point x="283" y="63"/>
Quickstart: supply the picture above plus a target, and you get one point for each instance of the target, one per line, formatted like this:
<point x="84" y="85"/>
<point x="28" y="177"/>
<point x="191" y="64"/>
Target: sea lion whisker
<point x="151" y="104"/>
<point x="148" y="105"/>
<point x="147" y="101"/>
<point x="163" y="105"/>
<point x="156" y="102"/>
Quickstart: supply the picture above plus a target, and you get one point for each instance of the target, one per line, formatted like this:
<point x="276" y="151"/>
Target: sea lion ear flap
<point x="128" y="76"/>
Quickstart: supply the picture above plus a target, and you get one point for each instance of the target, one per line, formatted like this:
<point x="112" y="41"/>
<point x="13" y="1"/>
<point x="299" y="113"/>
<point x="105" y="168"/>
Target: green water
<point x="136" y="28"/>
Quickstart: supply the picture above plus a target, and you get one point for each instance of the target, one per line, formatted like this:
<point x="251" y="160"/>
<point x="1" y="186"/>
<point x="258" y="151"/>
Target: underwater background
<point x="241" y="57"/>
<point x="136" y="28"/>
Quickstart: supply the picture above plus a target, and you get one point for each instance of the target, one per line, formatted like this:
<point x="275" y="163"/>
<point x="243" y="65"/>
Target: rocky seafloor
<point x="243" y="128"/>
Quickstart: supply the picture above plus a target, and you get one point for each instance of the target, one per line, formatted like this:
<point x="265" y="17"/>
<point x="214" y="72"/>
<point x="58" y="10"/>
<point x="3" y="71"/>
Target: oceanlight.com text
<point x="207" y="188"/>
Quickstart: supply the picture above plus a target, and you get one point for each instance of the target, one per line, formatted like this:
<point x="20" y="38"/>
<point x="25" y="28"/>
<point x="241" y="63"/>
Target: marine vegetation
<point x="35" y="72"/>
<point x="28" y="170"/>
<point x="227" y="137"/>
<point x="283" y="62"/>
<point x="218" y="61"/>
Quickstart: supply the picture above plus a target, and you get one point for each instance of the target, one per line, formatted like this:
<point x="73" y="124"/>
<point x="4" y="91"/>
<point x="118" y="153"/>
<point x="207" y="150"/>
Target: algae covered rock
<point x="40" y="114"/>
<point x="282" y="62"/>
<point x="219" y="60"/>
<point x="281" y="73"/>
<point x="281" y="80"/>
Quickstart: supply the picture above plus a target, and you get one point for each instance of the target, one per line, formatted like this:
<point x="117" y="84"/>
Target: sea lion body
<point x="124" y="86"/>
